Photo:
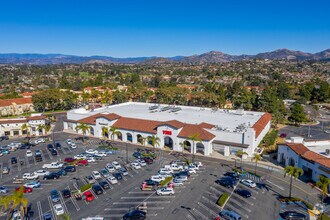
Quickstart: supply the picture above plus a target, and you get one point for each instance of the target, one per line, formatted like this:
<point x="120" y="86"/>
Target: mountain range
<point x="209" y="57"/>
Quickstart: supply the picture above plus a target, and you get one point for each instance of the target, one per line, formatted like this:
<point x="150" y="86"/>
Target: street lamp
<point x="126" y="154"/>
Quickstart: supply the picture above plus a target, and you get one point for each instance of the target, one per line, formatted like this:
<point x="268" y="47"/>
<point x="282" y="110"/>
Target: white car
<point x="165" y="170"/>
<point x="90" y="159"/>
<point x="58" y="209"/>
<point x="29" y="153"/>
<point x="110" y="168"/>
<point x="91" y="151"/>
<point x="191" y="170"/>
<point x="96" y="175"/>
<point x="198" y="164"/>
<point x="193" y="166"/>
<point x="136" y="166"/>
<point x="165" y="191"/>
<point x="34" y="184"/>
<point x="248" y="183"/>
<point x="177" y="182"/>
<point x="100" y="154"/>
<point x="112" y="180"/>
<point x="69" y="141"/>
<point x="116" y="165"/>
<point x="41" y="172"/>
<point x="17" y="216"/>
<point x="80" y="156"/>
<point x="73" y="145"/>
<point x="30" y="176"/>
<point x="157" y="178"/>
<point x="165" y="175"/>
<point x="142" y="163"/>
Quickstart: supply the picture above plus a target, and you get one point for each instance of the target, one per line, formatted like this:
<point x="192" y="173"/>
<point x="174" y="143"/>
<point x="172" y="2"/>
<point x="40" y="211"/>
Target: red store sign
<point x="165" y="132"/>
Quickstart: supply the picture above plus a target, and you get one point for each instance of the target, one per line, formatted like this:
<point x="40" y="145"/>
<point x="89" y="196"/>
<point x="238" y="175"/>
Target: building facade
<point x="16" y="106"/>
<point x="312" y="157"/>
<point x="226" y="131"/>
<point x="33" y="126"/>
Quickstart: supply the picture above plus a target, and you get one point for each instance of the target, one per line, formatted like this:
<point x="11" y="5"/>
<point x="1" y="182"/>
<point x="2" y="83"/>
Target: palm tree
<point x="323" y="184"/>
<point x="16" y="200"/>
<point x="143" y="140"/>
<point x="194" y="138"/>
<point x="114" y="132"/>
<point x="105" y="131"/>
<point x="184" y="145"/>
<point x="41" y="127"/>
<point x="5" y="203"/>
<point x="154" y="140"/>
<point x="84" y="128"/>
<point x="292" y="172"/>
<point x="47" y="128"/>
<point x="256" y="158"/>
<point x="241" y="153"/>
<point x="25" y="127"/>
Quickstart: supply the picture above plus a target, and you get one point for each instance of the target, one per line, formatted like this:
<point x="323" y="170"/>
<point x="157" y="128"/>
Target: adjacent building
<point x="311" y="156"/>
<point x="16" y="106"/>
<point x="33" y="126"/>
<point x="225" y="131"/>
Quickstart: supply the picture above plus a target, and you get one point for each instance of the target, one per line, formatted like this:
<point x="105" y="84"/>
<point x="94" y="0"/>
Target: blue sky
<point x="124" y="28"/>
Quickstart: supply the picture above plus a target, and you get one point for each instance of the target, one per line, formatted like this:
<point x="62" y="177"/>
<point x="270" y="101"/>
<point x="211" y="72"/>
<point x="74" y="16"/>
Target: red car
<point x="69" y="160"/>
<point x="25" y="190"/>
<point x="148" y="160"/>
<point x="81" y="163"/>
<point x="88" y="196"/>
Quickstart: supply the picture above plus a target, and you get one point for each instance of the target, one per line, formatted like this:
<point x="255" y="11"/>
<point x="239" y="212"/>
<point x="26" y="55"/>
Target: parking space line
<point x="125" y="209"/>
<point x="73" y="200"/>
<point x="199" y="213"/>
<point x="39" y="209"/>
<point x="63" y="203"/>
<point x="239" y="211"/>
<point x="35" y="162"/>
<point x="141" y="192"/>
<point x="27" y="162"/>
<point x="139" y="202"/>
<point x="121" y="215"/>
<point x="51" y="208"/>
<point x="207" y="209"/>
<point x="19" y="168"/>
<point x="210" y="203"/>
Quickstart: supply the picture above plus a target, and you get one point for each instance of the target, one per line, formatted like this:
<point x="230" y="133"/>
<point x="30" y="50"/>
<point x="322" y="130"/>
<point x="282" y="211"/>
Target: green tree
<point x="293" y="172"/>
<point x="240" y="154"/>
<point x="41" y="128"/>
<point x="256" y="157"/>
<point x="15" y="201"/>
<point x="25" y="127"/>
<point x="84" y="128"/>
<point x="114" y="132"/>
<point x="297" y="113"/>
<point x="106" y="97"/>
<point x="184" y="145"/>
<point x="154" y="141"/>
<point x="323" y="184"/>
<point x="105" y="132"/>
<point x="195" y="139"/>
<point x="66" y="216"/>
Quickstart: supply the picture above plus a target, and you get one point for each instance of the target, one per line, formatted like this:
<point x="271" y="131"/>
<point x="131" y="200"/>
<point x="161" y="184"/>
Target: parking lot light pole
<point x="126" y="154"/>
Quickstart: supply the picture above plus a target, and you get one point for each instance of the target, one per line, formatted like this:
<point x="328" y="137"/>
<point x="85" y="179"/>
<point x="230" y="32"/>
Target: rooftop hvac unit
<point x="327" y="151"/>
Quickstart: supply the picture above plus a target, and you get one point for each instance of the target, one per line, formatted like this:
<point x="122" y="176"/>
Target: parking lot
<point x="196" y="199"/>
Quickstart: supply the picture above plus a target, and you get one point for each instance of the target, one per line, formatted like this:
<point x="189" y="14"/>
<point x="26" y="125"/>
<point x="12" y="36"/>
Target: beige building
<point x="16" y="106"/>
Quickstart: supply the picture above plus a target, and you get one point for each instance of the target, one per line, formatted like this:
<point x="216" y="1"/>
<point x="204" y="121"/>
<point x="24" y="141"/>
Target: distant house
<point x="16" y="106"/>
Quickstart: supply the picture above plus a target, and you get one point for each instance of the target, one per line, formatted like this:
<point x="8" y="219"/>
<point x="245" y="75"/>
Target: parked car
<point x="13" y="160"/>
<point x="232" y="175"/>
<point x="25" y="189"/>
<point x="81" y="163"/>
<point x="118" y="176"/>
<point x="34" y="184"/>
<point x="243" y="192"/>
<point x="69" y="160"/>
<point x="58" y="145"/>
<point x="91" y="151"/>
<point x="90" y="179"/>
<point x="29" y="153"/>
<point x="47" y="216"/>
<point x="248" y="183"/>
<point x="5" y="170"/>
<point x="136" y="165"/>
<point x="62" y="172"/>
<point x="104" y="184"/>
<point x="73" y="145"/>
<point x="41" y="172"/>
<point x="110" y="168"/>
<point x="69" y="141"/>
<point x="104" y="173"/>
<point x="148" y="160"/>
<point x="70" y="169"/>
<point x="54" y="195"/>
<point x="58" y="209"/>
<point x="97" y="189"/>
<point x="53" y="152"/>
<point x="165" y="191"/>
<point x="51" y="176"/>
<point x="135" y="215"/>
<point x="90" y="159"/>
<point x="224" y="182"/>
<point x="112" y="180"/>
<point x="293" y="215"/>
<point x="96" y="175"/>
<point x="88" y="196"/>
<point x="50" y="147"/>
<point x="157" y="178"/>
<point x="137" y="155"/>
<point x="3" y="189"/>
<point x="141" y="162"/>
<point x="181" y="178"/>
<point x="116" y="165"/>
<point x="66" y="193"/>
<point x="123" y="171"/>
<point x="38" y="158"/>
<point x="230" y="215"/>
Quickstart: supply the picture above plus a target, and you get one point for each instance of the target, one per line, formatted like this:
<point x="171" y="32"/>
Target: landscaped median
<point x="223" y="199"/>
<point x="85" y="187"/>
<point x="166" y="181"/>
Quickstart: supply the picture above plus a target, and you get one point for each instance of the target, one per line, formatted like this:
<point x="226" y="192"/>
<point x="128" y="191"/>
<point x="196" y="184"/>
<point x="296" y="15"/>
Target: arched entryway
<point x="168" y="142"/>
<point x="149" y="141"/>
<point x="187" y="146"/>
<point x="119" y="136"/>
<point x="282" y="159"/>
<point x="200" y="148"/>
<point x="291" y="162"/>
<point x="140" y="139"/>
<point x="129" y="137"/>
<point x="91" y="130"/>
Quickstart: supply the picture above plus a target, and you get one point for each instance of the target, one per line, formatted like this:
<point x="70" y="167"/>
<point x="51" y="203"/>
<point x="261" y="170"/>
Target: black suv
<point x="58" y="145"/>
<point x="243" y="192"/>
<point x="97" y="189"/>
<point x="13" y="160"/>
<point x="66" y="193"/>
<point x="288" y="215"/>
<point x="118" y="176"/>
<point x="232" y="175"/>
<point x="51" y="176"/>
<point x="50" y="147"/>
<point x="135" y="215"/>
<point x="104" y="184"/>
<point x="225" y="182"/>
<point x="70" y="169"/>
<point x="53" y="152"/>
<point x="38" y="158"/>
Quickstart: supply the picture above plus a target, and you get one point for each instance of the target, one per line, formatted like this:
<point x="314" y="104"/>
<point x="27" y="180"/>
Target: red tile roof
<point x="206" y="125"/>
<point x="13" y="121"/>
<point x="137" y="125"/>
<point x="261" y="123"/>
<point x="92" y="119"/>
<point x="18" y="101"/>
<point x="307" y="154"/>
<point x="190" y="129"/>
<point x="173" y="123"/>
<point x="38" y="117"/>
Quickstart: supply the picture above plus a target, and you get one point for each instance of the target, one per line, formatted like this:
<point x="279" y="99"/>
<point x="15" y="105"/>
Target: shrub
<point x="166" y="181"/>
<point x="324" y="217"/>
<point x="85" y="187"/>
<point x="222" y="199"/>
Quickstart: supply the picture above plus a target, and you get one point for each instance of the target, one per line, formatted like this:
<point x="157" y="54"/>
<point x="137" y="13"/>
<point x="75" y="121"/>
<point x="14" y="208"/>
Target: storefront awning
<point x="231" y="144"/>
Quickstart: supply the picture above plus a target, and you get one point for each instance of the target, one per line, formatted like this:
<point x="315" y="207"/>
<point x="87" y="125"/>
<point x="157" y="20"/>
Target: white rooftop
<point x="224" y="119"/>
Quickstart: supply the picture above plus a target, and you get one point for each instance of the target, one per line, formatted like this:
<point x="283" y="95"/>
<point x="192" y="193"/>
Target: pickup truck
<point x="146" y="187"/>
<point x="81" y="163"/>
<point x="53" y="165"/>
<point x="30" y="176"/>
<point x="174" y="167"/>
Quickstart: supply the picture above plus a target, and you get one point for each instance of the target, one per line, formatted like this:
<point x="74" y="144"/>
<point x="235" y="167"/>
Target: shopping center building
<point x="225" y="131"/>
